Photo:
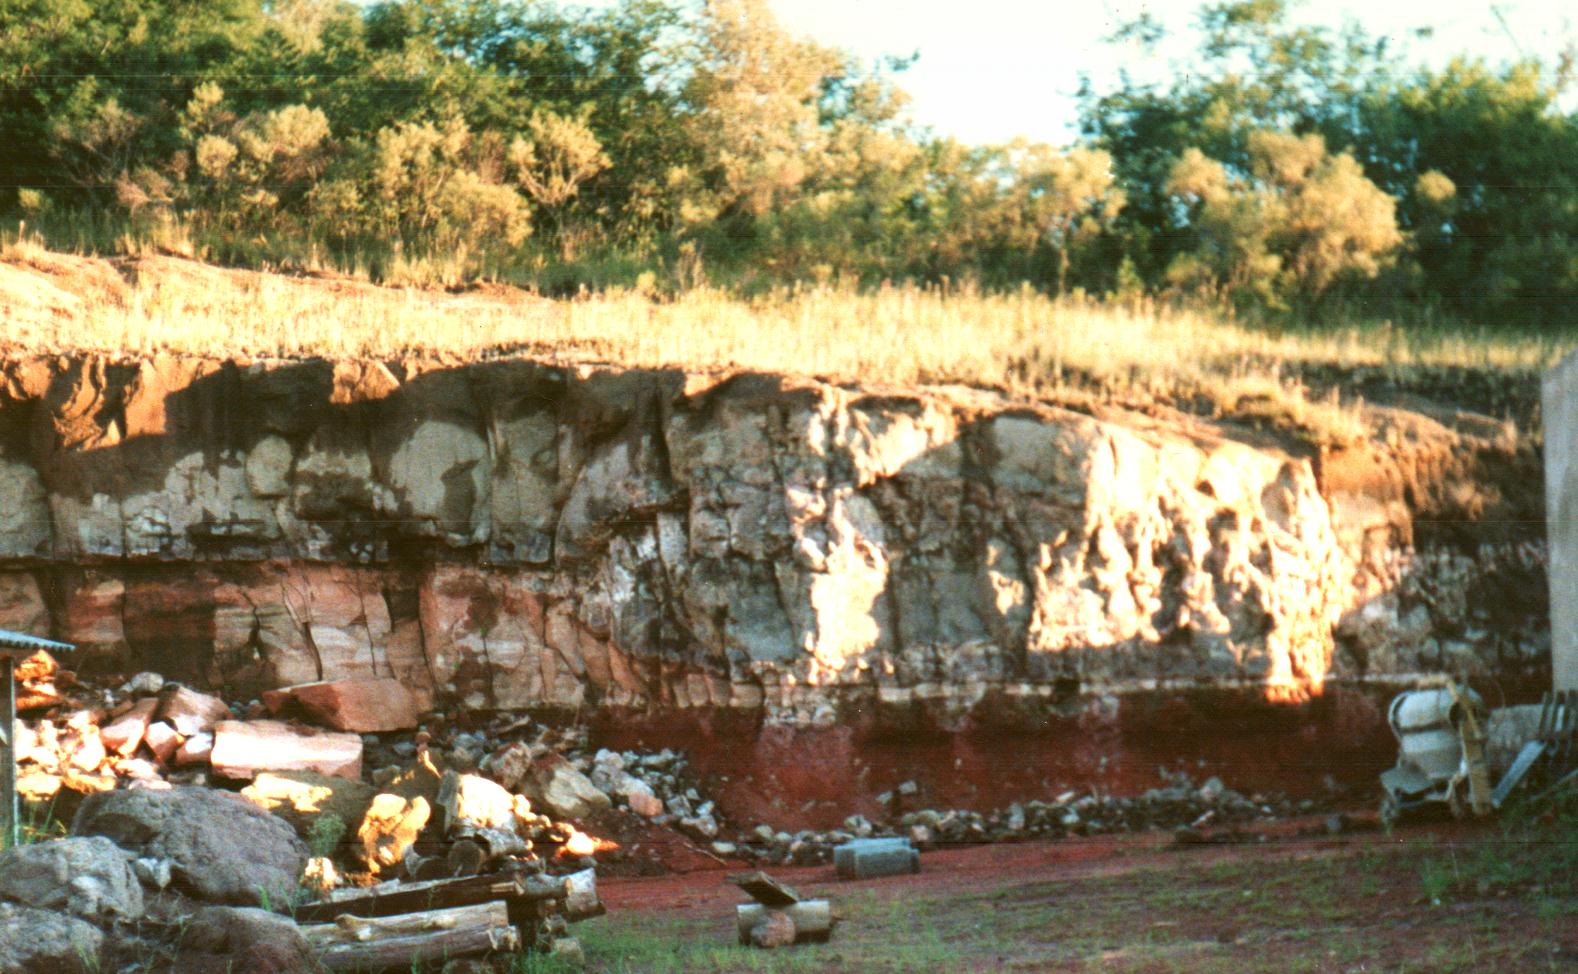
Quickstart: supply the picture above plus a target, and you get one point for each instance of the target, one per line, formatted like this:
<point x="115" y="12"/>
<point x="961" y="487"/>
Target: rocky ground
<point x="348" y="783"/>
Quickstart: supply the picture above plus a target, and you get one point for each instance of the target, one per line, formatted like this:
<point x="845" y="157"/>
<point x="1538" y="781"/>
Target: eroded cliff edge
<point x="516" y="534"/>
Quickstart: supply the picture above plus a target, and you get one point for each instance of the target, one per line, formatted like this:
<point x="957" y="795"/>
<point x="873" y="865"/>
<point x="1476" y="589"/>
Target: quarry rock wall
<point x="517" y="534"/>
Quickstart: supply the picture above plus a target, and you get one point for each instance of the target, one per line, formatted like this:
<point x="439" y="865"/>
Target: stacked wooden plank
<point x="395" y="924"/>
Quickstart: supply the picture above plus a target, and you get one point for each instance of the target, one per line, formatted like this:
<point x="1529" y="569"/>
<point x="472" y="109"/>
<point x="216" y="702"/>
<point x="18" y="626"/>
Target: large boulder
<point x="88" y="877"/>
<point x="224" y="848"/>
<point x="238" y="940"/>
<point x="34" y="941"/>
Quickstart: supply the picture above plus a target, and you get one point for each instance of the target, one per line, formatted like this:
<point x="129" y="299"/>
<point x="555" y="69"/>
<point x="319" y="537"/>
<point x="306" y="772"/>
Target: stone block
<point x="242" y="749"/>
<point x="123" y="734"/>
<point x="190" y="712"/>
<point x="362" y="705"/>
<point x="873" y="858"/>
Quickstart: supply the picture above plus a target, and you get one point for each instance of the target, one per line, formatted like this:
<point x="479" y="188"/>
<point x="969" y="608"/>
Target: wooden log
<point x="393" y="898"/>
<point x="402" y="942"/>
<point x="580" y="896"/>
<point x="422" y="868"/>
<point x="497" y="843"/>
<point x="813" y="920"/>
<point x="465" y="858"/>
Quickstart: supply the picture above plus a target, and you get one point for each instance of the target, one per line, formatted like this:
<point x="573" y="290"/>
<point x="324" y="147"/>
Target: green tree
<point x="1297" y="224"/>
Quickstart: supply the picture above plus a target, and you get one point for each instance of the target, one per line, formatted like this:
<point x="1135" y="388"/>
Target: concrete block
<point x="872" y="858"/>
<point x="1560" y="414"/>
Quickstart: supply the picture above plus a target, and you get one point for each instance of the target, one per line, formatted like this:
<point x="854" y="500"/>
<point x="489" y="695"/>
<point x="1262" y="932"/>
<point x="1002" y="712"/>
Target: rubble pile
<point x="1179" y="806"/>
<point x="412" y="858"/>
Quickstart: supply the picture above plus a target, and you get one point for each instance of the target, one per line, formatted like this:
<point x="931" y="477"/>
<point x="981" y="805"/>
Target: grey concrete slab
<point x="1560" y="412"/>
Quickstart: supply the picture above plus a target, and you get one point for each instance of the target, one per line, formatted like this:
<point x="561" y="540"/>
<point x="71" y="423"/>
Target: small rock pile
<point x="1179" y="805"/>
<point x="297" y="757"/>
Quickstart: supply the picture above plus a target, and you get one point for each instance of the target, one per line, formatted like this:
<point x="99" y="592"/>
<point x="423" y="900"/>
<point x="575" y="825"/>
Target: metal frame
<point x="14" y="646"/>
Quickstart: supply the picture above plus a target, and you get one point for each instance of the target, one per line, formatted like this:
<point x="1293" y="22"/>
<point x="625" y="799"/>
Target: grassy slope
<point x="1024" y="343"/>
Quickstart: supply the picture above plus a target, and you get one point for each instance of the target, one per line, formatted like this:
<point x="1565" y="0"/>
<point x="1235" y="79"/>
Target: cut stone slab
<point x="766" y="890"/>
<point x="242" y="749"/>
<point x="873" y="858"/>
<point x="303" y="797"/>
<point x="365" y="706"/>
<point x="190" y="712"/>
<point x="124" y="734"/>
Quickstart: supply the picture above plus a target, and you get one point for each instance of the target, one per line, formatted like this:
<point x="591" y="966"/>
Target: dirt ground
<point x="1289" y="896"/>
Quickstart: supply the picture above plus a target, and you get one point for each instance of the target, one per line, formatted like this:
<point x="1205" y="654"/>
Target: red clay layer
<point x="814" y="777"/>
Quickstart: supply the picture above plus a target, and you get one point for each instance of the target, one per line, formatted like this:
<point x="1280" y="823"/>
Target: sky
<point x="993" y="69"/>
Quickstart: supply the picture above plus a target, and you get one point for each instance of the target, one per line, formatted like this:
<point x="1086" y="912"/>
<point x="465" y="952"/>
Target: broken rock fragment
<point x="39" y="682"/>
<point x="124" y="734"/>
<point x="190" y="712"/>
<point x="163" y="740"/>
<point x="195" y="750"/>
<point x="242" y="749"/>
<point x="774" y="929"/>
<point x="390" y="828"/>
<point x="555" y="786"/>
<point x="467" y="801"/>
<point x="364" y="706"/>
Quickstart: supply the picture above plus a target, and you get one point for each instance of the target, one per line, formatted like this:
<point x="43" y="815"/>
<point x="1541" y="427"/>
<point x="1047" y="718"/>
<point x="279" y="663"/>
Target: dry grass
<point x="1023" y="342"/>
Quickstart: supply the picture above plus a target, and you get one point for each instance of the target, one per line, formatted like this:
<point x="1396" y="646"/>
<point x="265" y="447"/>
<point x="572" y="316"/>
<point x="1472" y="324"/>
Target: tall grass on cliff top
<point x="1022" y="341"/>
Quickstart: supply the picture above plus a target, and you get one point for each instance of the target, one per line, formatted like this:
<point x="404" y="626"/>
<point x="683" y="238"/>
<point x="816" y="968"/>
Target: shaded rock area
<point x="515" y="534"/>
<point x="240" y="940"/>
<point x="221" y="847"/>
<point x="88" y="877"/>
<point x="35" y="941"/>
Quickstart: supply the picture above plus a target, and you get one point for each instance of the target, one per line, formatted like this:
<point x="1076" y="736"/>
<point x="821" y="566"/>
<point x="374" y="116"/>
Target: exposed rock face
<point x="512" y="534"/>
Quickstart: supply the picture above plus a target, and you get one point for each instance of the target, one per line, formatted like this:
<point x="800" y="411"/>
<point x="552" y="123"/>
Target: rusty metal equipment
<point x="1440" y="734"/>
<point x="14" y="646"/>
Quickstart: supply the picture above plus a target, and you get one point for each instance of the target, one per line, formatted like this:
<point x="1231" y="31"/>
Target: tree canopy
<point x="1287" y="168"/>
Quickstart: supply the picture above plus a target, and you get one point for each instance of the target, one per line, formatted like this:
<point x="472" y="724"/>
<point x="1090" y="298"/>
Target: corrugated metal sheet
<point x="30" y="644"/>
